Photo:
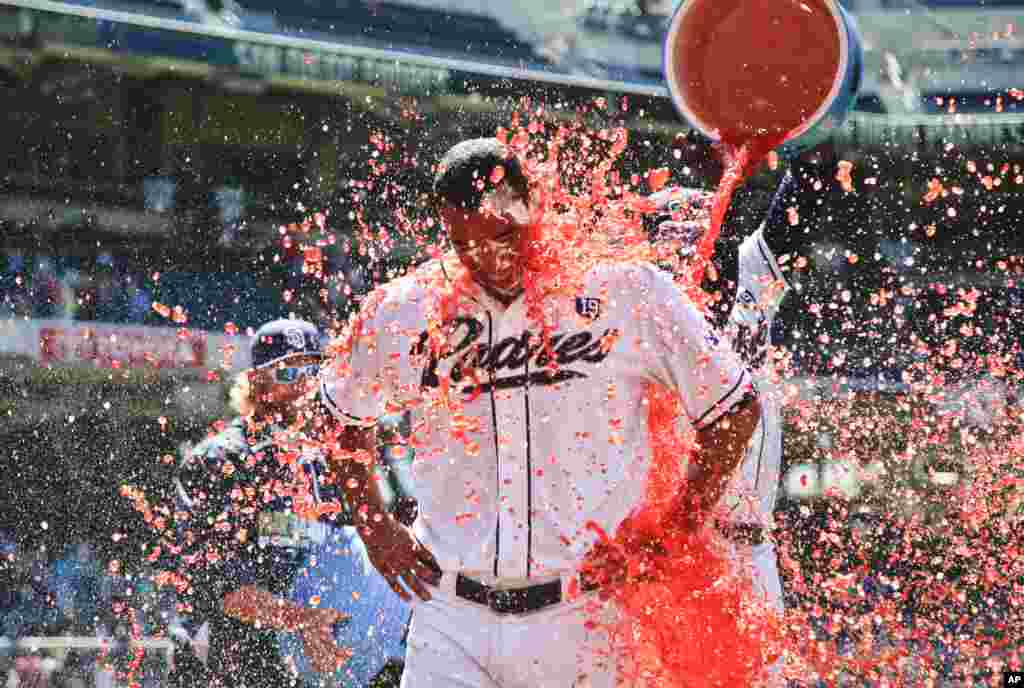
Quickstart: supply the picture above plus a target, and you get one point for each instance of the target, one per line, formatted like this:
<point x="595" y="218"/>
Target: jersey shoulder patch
<point x="588" y="307"/>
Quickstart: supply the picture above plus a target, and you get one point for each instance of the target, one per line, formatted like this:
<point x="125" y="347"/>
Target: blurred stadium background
<point x="152" y="150"/>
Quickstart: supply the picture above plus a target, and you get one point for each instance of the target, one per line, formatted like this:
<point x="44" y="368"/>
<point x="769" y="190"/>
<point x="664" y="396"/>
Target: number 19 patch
<point x="588" y="307"/>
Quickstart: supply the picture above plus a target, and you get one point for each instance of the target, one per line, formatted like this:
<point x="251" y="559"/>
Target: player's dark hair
<point x="457" y="181"/>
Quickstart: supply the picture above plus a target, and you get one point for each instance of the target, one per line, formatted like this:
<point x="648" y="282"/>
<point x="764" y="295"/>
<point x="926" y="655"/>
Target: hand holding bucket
<point x="742" y="71"/>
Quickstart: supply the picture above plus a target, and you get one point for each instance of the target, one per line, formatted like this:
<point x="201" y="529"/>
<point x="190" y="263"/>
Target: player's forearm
<point x="351" y="462"/>
<point x="254" y="605"/>
<point x="794" y="216"/>
<point x="722" y="447"/>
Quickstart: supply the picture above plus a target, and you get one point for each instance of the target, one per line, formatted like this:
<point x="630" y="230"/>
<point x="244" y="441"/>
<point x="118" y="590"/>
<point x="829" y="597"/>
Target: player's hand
<point x="403" y="561"/>
<point x="317" y="633"/>
<point x="687" y="515"/>
<point x="631" y="556"/>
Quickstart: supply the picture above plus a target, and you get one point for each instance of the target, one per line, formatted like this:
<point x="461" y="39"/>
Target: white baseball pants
<point x="454" y="643"/>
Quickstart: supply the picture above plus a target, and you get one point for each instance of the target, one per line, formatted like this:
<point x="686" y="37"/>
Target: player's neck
<point x="503" y="296"/>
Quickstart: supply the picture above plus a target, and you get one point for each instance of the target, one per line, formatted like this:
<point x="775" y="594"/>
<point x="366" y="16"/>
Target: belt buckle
<point x="499" y="600"/>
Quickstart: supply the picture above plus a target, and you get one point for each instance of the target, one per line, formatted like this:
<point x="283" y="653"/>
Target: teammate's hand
<point x="403" y="561"/>
<point x="317" y="631"/>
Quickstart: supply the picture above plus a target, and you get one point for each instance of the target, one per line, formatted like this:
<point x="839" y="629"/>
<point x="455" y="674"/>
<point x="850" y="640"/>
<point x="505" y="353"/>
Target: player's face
<point x="288" y="380"/>
<point x="489" y="241"/>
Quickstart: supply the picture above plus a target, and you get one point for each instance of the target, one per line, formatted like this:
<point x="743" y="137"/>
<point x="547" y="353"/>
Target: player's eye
<point x="507" y="237"/>
<point x="291" y="374"/>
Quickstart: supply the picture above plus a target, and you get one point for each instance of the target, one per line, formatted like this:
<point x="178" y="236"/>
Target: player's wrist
<point x="379" y="527"/>
<point x="294" y="619"/>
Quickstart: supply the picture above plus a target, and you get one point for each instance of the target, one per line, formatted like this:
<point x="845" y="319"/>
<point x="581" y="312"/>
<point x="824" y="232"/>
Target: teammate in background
<point x="242" y="543"/>
<point x="344" y="579"/>
<point x="504" y="504"/>
<point x="756" y="279"/>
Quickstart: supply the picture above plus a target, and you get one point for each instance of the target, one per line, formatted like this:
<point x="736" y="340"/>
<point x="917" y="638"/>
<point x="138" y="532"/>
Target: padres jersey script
<point x="761" y="287"/>
<point x="515" y="457"/>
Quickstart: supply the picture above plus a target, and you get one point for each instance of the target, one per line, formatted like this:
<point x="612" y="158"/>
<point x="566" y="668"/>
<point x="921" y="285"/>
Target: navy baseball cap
<point x="280" y="339"/>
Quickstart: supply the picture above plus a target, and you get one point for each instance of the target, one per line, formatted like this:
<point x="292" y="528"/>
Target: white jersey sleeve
<point x="683" y="351"/>
<point x="370" y="372"/>
<point x="751" y="494"/>
<point x="760" y="289"/>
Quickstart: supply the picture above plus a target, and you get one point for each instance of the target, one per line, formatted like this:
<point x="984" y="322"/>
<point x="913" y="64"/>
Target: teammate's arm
<point x="796" y="217"/>
<point x="204" y="493"/>
<point x="797" y="211"/>
<point x="254" y="605"/>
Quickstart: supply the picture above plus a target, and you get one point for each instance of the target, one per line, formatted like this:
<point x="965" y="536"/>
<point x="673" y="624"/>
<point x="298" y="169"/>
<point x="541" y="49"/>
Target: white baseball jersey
<point x="761" y="286"/>
<point x="515" y="460"/>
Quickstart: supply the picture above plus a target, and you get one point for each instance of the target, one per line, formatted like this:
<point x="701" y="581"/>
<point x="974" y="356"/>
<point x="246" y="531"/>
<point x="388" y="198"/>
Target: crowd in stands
<point x="74" y="595"/>
<point x="42" y="287"/>
<point x="116" y="289"/>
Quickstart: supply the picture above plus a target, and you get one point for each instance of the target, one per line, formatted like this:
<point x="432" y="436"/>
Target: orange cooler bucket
<point x="742" y="70"/>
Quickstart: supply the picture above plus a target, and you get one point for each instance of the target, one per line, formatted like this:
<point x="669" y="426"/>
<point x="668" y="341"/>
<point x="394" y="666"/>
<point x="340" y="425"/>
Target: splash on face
<point x="489" y="240"/>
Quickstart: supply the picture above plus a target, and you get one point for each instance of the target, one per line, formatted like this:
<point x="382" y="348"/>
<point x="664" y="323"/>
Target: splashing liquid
<point x="688" y="604"/>
<point x="673" y="608"/>
<point x="742" y="159"/>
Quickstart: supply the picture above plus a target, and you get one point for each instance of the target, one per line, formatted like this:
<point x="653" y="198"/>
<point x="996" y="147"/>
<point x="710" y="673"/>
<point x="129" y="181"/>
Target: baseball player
<point x="761" y="287"/>
<point x="241" y="539"/>
<point x="521" y="442"/>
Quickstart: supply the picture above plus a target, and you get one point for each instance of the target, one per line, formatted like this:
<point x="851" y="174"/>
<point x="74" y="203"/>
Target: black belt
<point x="515" y="600"/>
<point x="742" y="533"/>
